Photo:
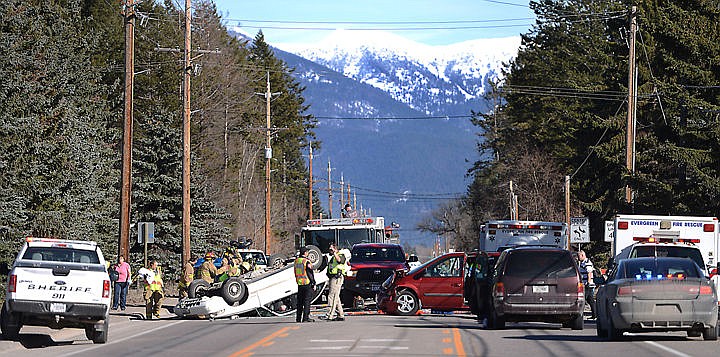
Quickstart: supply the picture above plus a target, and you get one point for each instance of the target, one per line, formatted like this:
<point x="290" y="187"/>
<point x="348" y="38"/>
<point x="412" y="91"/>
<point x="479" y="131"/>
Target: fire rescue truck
<point x="318" y="234"/>
<point x="498" y="235"/>
<point x="676" y="236"/>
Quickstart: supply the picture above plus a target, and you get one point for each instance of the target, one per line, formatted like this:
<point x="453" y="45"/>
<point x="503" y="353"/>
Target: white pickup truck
<point x="58" y="283"/>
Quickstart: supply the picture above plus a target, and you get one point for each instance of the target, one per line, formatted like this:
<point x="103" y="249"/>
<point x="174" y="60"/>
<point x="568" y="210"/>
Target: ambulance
<point x="498" y="235"/>
<point x="675" y="236"/>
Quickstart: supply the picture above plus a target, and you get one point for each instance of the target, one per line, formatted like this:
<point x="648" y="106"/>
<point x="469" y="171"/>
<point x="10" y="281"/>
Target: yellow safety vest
<point x="301" y="275"/>
<point x="334" y="267"/>
<point x="157" y="283"/>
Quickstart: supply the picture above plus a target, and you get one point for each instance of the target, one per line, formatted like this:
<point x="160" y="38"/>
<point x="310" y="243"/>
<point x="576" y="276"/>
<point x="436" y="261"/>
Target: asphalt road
<point x="359" y="335"/>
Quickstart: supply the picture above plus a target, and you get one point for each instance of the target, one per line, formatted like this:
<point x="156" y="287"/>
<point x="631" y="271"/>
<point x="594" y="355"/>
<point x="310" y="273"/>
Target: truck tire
<point x="198" y="288"/>
<point x="276" y="261"/>
<point x="314" y="255"/>
<point x="101" y="335"/>
<point x="10" y="324"/>
<point x="408" y="303"/>
<point x="495" y="321"/>
<point x="710" y="333"/>
<point x="233" y="291"/>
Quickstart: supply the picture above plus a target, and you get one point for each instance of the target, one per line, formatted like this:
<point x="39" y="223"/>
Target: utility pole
<point x="126" y="177"/>
<point x="632" y="96"/>
<point x="186" y="138"/>
<point x="342" y="191"/>
<point x="310" y="185"/>
<point x="567" y="208"/>
<point x="268" y="155"/>
<point x="330" y="205"/>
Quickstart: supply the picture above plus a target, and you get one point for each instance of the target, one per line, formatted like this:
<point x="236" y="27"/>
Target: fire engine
<point x="495" y="236"/>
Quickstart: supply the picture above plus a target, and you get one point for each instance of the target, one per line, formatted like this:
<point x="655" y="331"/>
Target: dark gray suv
<point x="537" y="283"/>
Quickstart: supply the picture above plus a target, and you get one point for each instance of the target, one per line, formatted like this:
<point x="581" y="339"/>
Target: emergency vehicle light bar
<point x="520" y="226"/>
<point x="665" y="240"/>
<point x="59" y="242"/>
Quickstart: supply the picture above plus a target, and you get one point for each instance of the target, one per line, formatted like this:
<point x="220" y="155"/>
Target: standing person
<point x="154" y="292"/>
<point x="350" y="212"/>
<point x="336" y="272"/>
<point x="306" y="282"/>
<point x="207" y="270"/>
<point x="122" y="284"/>
<point x="188" y="275"/>
<point x="586" y="273"/>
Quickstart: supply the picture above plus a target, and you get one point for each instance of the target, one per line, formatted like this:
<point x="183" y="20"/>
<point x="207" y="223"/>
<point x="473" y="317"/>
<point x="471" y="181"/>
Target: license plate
<point x="375" y="288"/>
<point x="57" y="307"/>
<point x="540" y="289"/>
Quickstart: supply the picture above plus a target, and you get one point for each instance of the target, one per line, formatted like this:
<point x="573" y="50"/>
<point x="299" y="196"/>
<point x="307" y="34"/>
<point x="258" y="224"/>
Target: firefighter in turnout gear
<point x="207" y="270"/>
<point x="154" y="292"/>
<point x="336" y="270"/>
<point x="188" y="274"/>
<point x="306" y="283"/>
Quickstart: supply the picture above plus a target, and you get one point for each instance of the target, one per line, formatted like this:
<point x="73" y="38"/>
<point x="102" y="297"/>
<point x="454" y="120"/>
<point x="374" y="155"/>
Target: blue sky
<point x="434" y="22"/>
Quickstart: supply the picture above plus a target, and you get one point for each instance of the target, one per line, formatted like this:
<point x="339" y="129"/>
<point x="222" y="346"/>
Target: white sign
<point x="579" y="230"/>
<point x="609" y="231"/>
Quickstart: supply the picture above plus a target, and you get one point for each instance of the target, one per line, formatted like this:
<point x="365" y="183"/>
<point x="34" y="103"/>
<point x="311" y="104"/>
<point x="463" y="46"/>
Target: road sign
<point x="579" y="230"/>
<point x="609" y="231"/>
<point x="146" y="232"/>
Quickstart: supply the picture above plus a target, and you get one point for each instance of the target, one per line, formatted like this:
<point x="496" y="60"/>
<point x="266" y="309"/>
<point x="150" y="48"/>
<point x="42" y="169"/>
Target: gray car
<point x="657" y="294"/>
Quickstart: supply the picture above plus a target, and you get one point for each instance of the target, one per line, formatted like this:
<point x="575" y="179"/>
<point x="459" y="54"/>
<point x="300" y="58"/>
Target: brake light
<point x="499" y="289"/>
<point x="557" y="228"/>
<point x="106" y="289"/>
<point x="709" y="227"/>
<point x="623" y="225"/>
<point x="581" y="290"/>
<point x="12" y="284"/>
<point x="706" y="290"/>
<point x="625" y="290"/>
<point x="492" y="226"/>
<point x="533" y="226"/>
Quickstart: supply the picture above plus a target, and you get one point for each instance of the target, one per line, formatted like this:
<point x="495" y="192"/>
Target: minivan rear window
<point x="531" y="264"/>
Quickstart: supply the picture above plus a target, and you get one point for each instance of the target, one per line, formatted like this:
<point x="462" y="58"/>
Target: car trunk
<point x="666" y="289"/>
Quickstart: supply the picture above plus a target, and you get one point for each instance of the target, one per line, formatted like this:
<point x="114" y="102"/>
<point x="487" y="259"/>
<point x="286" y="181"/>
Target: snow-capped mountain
<point x="434" y="80"/>
<point x="400" y="165"/>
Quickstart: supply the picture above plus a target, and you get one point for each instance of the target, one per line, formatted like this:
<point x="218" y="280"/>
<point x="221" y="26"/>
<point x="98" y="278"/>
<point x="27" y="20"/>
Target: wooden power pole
<point x="268" y="155"/>
<point x="330" y="195"/>
<point x="310" y="185"/>
<point x="632" y="96"/>
<point x="126" y="177"/>
<point x="186" y="138"/>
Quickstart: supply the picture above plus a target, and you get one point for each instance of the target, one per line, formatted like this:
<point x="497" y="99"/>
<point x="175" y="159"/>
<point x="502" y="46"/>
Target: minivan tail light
<point x="581" y="290"/>
<point x="106" y="289"/>
<point x="12" y="284"/>
<point x="499" y="289"/>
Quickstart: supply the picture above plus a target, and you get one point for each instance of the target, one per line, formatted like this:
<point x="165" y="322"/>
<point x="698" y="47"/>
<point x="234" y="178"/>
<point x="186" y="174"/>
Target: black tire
<point x="599" y="330"/>
<point x="10" y="324"/>
<point x="694" y="333"/>
<point x="89" y="332"/>
<point x="276" y="261"/>
<point x="321" y="265"/>
<point x="408" y="303"/>
<point x="233" y="290"/>
<point x="710" y="333"/>
<point x="577" y="323"/>
<point x="198" y="288"/>
<point x="314" y="255"/>
<point x="495" y="321"/>
<point x="100" y="336"/>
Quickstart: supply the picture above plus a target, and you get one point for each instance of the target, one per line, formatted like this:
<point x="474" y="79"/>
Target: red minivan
<point x="437" y="284"/>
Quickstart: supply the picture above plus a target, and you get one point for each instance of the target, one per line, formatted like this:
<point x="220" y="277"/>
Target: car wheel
<point x="408" y="303"/>
<point x="101" y="335"/>
<point x="577" y="323"/>
<point x="198" y="288"/>
<point x="10" y="324"/>
<point x="710" y="333"/>
<point x="613" y="334"/>
<point x="276" y="261"/>
<point x="233" y="291"/>
<point x="315" y="256"/>
<point x="694" y="333"/>
<point x="496" y="321"/>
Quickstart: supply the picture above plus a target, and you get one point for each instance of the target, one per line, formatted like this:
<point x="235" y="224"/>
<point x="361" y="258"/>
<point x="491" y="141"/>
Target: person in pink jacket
<point x="122" y="284"/>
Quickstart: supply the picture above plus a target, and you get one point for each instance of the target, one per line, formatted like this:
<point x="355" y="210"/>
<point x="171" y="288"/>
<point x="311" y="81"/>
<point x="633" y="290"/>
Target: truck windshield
<point x="378" y="254"/>
<point x="349" y="237"/>
<point x="65" y="255"/>
<point x="668" y="251"/>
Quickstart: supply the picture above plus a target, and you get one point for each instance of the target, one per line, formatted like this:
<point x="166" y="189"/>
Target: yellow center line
<point x="459" y="349"/>
<point x="267" y="341"/>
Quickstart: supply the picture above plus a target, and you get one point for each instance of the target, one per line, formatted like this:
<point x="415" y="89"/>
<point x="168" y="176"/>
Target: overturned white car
<point x="270" y="292"/>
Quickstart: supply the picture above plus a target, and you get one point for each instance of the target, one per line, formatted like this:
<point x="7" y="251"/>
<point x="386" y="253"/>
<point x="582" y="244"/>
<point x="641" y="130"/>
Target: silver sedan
<point x="657" y="294"/>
